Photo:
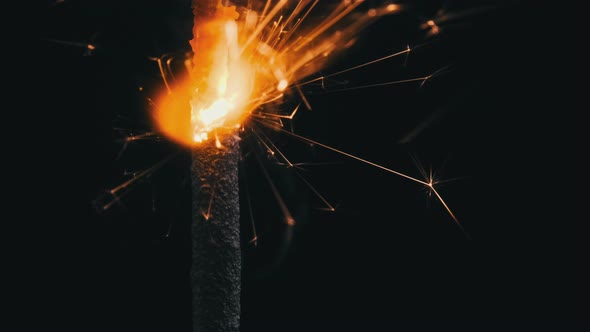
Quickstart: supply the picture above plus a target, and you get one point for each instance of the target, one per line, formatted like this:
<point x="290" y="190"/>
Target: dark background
<point x="496" y="121"/>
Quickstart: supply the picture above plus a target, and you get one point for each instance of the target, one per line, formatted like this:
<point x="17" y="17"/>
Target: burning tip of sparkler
<point x="206" y="119"/>
<point x="216" y="97"/>
<point x="239" y="63"/>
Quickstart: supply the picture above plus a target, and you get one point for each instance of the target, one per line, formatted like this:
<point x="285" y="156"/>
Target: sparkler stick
<point x="215" y="233"/>
<point x="216" y="262"/>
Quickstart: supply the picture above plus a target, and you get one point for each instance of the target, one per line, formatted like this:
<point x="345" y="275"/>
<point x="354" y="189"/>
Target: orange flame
<point x="218" y="87"/>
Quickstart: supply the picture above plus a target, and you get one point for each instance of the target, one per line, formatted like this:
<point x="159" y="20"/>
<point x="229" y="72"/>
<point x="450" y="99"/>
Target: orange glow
<point x="172" y="116"/>
<point x="215" y="97"/>
<point x="222" y="98"/>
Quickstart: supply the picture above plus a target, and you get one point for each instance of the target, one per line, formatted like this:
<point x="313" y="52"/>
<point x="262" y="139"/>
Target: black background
<point x="389" y="258"/>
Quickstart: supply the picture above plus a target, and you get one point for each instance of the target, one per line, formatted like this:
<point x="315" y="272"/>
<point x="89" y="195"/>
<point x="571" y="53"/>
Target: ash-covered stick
<point x="216" y="255"/>
<point x="216" y="262"/>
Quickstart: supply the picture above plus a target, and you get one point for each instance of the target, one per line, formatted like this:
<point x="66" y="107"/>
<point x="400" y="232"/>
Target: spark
<point x="446" y="17"/>
<point x="285" y="210"/>
<point x="409" y="80"/>
<point x="264" y="23"/>
<point x="330" y="207"/>
<point x="330" y="22"/>
<point x="428" y="184"/>
<point x="121" y="190"/>
<point x="207" y="214"/>
<point x="145" y="136"/>
<point x="132" y="138"/>
<point x="167" y="235"/>
<point x="268" y="148"/>
<point x="162" y="73"/>
<point x="290" y="116"/>
<point x="274" y="147"/>
<point x="87" y="46"/>
<point x="254" y="239"/>
<point x="407" y="50"/>
<point x="305" y="101"/>
<point x="300" y="164"/>
<point x="432" y="118"/>
<point x="263" y="100"/>
<point x="432" y="27"/>
<point x="300" y="5"/>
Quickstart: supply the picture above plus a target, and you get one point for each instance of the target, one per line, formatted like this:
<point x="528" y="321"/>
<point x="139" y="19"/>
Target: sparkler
<point x="245" y="61"/>
<point x="237" y="67"/>
<point x="242" y="61"/>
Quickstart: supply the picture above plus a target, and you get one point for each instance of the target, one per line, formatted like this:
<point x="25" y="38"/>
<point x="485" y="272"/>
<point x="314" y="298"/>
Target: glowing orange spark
<point x="329" y="206"/>
<point x="290" y="116"/>
<point x="283" y="206"/>
<point x="273" y="146"/>
<point x="407" y="50"/>
<point x="121" y="190"/>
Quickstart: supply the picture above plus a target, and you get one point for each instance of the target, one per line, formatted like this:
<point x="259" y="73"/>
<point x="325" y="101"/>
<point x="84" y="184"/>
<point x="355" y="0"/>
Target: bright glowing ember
<point x="244" y="60"/>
